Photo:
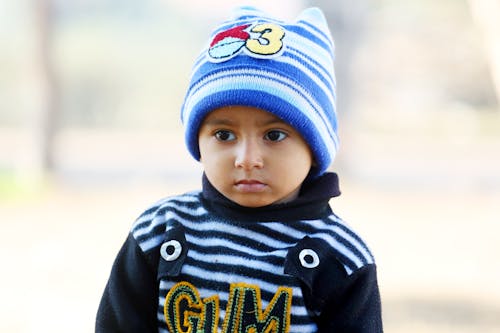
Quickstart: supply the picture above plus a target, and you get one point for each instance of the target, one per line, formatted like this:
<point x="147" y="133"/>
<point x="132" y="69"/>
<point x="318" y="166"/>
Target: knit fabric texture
<point x="286" y="69"/>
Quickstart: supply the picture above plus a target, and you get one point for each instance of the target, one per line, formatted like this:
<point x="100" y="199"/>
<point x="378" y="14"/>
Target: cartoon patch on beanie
<point x="261" y="40"/>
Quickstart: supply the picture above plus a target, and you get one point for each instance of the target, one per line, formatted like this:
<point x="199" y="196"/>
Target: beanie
<point x="283" y="68"/>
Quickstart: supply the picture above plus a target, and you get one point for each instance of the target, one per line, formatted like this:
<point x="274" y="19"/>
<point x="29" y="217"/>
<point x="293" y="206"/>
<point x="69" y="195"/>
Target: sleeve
<point x="129" y="302"/>
<point x="356" y="308"/>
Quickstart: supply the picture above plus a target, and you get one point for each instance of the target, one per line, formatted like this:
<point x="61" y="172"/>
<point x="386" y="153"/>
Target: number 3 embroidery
<point x="270" y="41"/>
<point x="263" y="40"/>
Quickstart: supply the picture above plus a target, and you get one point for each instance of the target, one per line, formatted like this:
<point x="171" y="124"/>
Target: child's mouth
<point x="249" y="186"/>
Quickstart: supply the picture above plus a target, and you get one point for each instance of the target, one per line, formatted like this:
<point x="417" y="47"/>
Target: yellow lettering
<point x="244" y="310"/>
<point x="186" y="312"/>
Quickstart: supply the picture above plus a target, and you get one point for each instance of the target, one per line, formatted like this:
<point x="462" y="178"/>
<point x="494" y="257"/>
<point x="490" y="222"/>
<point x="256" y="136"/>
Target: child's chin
<point x="252" y="200"/>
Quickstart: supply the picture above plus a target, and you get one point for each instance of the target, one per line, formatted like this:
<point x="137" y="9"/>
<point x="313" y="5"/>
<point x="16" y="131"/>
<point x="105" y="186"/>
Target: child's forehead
<point x="235" y="114"/>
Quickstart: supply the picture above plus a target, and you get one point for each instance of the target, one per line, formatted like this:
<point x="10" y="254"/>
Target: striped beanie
<point x="283" y="68"/>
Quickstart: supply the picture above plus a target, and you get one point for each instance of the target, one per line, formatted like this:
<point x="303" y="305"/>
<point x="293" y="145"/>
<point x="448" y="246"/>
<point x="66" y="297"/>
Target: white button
<point x="177" y="249"/>
<point x="308" y="258"/>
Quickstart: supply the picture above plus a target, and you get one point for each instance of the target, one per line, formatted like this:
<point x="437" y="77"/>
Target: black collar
<point x="312" y="202"/>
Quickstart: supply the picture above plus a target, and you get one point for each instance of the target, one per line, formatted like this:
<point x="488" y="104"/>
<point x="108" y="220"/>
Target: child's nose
<point x="249" y="155"/>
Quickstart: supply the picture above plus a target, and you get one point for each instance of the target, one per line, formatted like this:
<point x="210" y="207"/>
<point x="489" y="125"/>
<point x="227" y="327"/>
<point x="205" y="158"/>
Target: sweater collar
<point x="312" y="202"/>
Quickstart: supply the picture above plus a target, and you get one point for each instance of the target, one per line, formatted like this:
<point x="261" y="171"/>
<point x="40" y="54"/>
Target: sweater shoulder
<point x="149" y="228"/>
<point x="347" y="245"/>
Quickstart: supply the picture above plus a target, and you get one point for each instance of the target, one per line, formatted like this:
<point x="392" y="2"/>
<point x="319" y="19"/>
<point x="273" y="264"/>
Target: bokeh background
<point x="90" y="92"/>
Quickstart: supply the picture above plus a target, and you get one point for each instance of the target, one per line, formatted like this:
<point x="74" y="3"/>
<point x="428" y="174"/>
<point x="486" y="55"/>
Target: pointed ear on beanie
<point x="313" y="16"/>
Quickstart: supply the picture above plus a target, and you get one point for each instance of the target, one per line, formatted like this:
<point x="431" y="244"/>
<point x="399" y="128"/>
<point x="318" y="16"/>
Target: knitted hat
<point x="283" y="68"/>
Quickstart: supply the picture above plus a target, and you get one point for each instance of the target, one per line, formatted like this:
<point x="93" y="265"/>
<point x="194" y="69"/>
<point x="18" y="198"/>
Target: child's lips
<point x="250" y="186"/>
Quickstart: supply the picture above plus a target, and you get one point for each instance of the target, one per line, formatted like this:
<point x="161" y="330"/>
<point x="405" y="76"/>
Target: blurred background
<point x="90" y="92"/>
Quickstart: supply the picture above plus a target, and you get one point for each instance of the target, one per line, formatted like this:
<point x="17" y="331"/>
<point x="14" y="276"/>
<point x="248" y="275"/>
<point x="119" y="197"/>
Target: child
<point x="258" y="249"/>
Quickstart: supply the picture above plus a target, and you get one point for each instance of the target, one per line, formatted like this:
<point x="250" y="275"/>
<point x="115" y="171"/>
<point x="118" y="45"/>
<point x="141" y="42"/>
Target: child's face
<point x="252" y="157"/>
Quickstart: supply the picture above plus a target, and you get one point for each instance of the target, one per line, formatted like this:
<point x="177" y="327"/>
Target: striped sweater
<point x="200" y="263"/>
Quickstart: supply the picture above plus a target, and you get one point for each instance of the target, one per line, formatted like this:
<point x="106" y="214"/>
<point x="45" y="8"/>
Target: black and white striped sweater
<point x="200" y="263"/>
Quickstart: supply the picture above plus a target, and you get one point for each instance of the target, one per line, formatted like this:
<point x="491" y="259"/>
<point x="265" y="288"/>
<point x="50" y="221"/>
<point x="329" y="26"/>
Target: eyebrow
<point x="274" y="120"/>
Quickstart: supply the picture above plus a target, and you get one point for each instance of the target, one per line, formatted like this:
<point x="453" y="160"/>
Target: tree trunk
<point x="49" y="99"/>
<point x="486" y="15"/>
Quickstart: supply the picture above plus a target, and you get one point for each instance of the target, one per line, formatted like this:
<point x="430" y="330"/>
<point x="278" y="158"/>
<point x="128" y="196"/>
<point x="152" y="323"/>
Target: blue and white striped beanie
<point x="283" y="68"/>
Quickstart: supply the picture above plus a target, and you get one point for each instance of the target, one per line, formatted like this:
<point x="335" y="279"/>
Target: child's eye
<point x="275" y="135"/>
<point x="224" y="135"/>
